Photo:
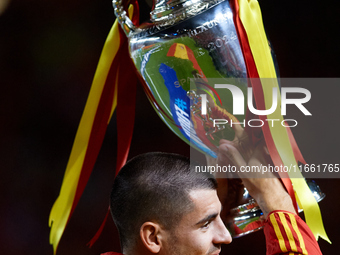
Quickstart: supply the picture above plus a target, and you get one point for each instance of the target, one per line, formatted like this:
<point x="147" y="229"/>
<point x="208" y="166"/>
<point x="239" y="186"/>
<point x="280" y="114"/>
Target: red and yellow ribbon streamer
<point x="100" y="105"/>
<point x="278" y="140"/>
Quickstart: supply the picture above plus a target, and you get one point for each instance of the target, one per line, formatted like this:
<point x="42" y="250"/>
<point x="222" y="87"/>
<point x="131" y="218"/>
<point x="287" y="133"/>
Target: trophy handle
<point x="124" y="21"/>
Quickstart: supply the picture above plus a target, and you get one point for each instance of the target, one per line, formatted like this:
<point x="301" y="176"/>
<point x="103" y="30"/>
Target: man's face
<point x="200" y="232"/>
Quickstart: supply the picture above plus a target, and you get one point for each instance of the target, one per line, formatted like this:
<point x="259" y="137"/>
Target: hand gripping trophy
<point x="196" y="60"/>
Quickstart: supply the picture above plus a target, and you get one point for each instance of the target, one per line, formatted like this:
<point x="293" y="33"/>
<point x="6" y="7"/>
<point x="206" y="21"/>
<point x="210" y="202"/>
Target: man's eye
<point x="206" y="225"/>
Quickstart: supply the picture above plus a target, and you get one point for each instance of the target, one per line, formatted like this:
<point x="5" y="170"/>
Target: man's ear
<point x="152" y="237"/>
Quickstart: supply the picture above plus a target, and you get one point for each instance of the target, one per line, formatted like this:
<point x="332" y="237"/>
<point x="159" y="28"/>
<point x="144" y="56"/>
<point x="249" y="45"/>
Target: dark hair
<point x="154" y="187"/>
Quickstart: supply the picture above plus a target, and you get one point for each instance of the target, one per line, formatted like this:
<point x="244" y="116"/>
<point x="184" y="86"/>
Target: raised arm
<point x="266" y="189"/>
<point x="285" y="231"/>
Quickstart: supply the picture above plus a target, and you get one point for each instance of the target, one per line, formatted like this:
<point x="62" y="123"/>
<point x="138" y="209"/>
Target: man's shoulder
<point x="287" y="233"/>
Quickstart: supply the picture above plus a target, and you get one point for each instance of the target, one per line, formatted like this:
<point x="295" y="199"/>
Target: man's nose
<point x="222" y="234"/>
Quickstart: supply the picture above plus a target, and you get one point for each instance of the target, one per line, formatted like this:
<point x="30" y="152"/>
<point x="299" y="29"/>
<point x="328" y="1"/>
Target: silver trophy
<point x="185" y="41"/>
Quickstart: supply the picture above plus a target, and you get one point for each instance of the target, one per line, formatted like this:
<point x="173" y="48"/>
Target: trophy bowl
<point x="191" y="40"/>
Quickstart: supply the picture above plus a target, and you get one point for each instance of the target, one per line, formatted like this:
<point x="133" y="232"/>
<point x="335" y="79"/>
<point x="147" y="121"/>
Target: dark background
<point x="48" y="55"/>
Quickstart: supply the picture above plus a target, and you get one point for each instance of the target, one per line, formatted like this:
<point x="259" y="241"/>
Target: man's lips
<point x="216" y="252"/>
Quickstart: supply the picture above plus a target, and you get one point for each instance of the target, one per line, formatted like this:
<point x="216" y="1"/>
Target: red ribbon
<point x="259" y="98"/>
<point x="126" y="101"/>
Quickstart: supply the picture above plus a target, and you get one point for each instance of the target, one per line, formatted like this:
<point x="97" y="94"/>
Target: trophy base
<point x="248" y="218"/>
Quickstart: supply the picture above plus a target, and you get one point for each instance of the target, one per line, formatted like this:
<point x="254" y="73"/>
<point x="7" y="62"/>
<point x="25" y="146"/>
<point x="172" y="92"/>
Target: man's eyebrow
<point x="208" y="218"/>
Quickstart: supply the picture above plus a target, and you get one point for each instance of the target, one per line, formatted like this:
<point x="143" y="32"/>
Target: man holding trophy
<point x="210" y="74"/>
<point x="161" y="206"/>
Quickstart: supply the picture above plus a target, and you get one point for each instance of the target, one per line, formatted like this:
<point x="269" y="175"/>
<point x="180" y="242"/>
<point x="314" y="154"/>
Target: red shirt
<point x="111" y="253"/>
<point x="287" y="233"/>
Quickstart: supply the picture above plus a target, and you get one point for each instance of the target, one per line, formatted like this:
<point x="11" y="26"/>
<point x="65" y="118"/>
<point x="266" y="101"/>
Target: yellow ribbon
<point x="250" y="15"/>
<point x="61" y="209"/>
